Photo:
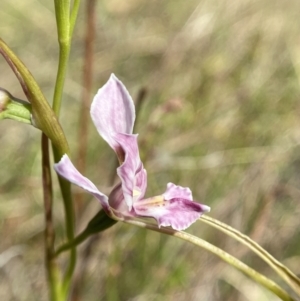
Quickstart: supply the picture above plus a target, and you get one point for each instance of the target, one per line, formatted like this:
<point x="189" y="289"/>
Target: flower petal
<point x="169" y="209"/>
<point x="116" y="201"/>
<point x="174" y="191"/>
<point x="132" y="173"/>
<point x="113" y="111"/>
<point x="66" y="169"/>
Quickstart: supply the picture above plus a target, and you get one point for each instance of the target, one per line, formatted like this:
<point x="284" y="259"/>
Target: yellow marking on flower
<point x="136" y="193"/>
<point x="154" y="201"/>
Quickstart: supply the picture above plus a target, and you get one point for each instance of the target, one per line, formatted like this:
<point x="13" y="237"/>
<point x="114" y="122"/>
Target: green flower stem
<point x="77" y="241"/>
<point x="69" y="220"/>
<point x="74" y="14"/>
<point x="100" y="222"/>
<point x="261" y="279"/>
<point x="287" y="275"/>
<point x="64" y="53"/>
<point x="62" y="13"/>
<point x="65" y="186"/>
<point x="54" y="280"/>
<point x="65" y="26"/>
<point x="53" y="272"/>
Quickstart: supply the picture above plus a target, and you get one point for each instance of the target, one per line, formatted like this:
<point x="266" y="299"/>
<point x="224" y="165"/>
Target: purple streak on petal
<point x="132" y="173"/>
<point x="177" y="212"/>
<point x="174" y="208"/>
<point x="113" y="111"/>
<point x="66" y="169"/>
<point x="174" y="191"/>
<point x="116" y="201"/>
<point x="141" y="182"/>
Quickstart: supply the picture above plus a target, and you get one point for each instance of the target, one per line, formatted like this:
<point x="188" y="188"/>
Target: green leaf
<point x="42" y="114"/>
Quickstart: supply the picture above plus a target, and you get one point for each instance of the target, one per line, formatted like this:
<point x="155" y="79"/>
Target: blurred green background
<point x="221" y="116"/>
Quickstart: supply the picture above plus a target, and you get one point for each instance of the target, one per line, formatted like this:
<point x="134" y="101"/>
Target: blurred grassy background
<point x="221" y="116"/>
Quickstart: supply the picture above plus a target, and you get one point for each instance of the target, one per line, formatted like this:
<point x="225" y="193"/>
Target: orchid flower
<point x="113" y="114"/>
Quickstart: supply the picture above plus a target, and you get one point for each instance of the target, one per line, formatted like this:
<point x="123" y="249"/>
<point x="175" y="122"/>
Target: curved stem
<point x="98" y="223"/>
<point x="77" y="240"/>
<point x="287" y="275"/>
<point x="64" y="53"/>
<point x="261" y="279"/>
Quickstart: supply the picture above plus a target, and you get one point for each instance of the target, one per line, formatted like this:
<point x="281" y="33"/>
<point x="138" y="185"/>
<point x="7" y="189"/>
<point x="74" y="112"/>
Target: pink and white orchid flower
<point x="113" y="114"/>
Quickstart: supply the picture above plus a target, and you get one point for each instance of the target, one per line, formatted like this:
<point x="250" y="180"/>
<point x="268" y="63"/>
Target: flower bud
<point x="5" y="99"/>
<point x="14" y="108"/>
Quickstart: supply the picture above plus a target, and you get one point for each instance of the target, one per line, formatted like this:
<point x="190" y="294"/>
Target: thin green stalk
<point x="77" y="240"/>
<point x="53" y="274"/>
<point x="62" y="14"/>
<point x="65" y="26"/>
<point x="98" y="223"/>
<point x="73" y="16"/>
<point x="287" y="275"/>
<point x="65" y="188"/>
<point x="64" y="53"/>
<point x="261" y="279"/>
